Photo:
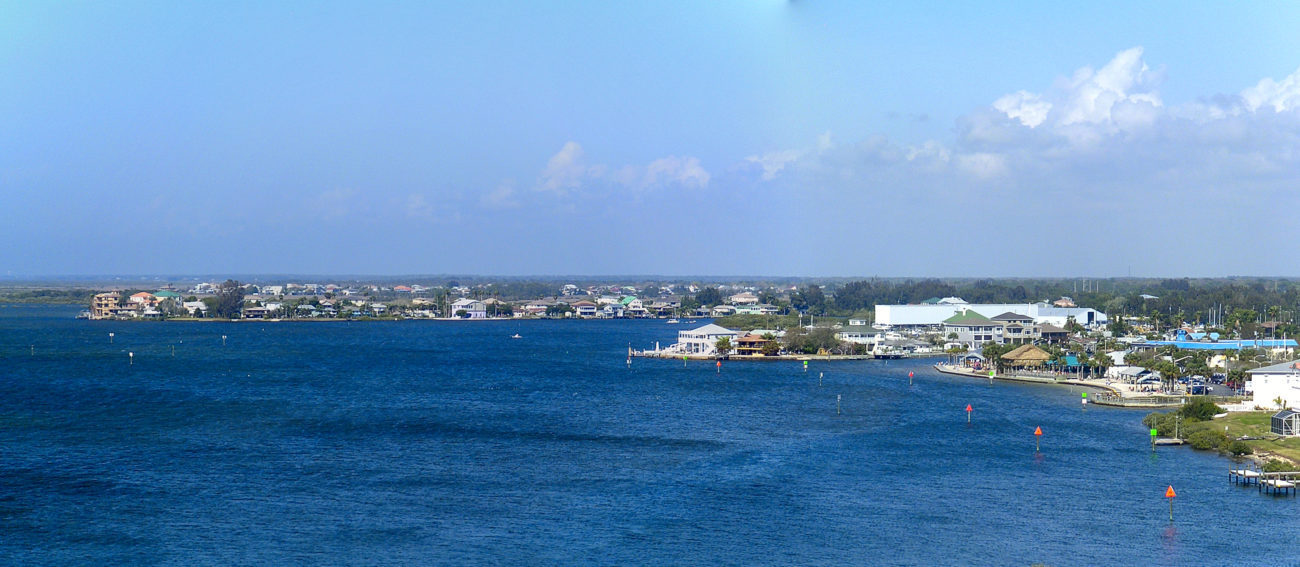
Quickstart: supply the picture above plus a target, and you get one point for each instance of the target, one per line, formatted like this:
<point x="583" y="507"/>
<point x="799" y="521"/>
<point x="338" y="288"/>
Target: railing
<point x="1163" y="400"/>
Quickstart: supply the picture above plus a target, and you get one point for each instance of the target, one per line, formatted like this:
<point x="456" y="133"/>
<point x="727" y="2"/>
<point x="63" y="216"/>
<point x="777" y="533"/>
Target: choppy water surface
<point x="450" y="443"/>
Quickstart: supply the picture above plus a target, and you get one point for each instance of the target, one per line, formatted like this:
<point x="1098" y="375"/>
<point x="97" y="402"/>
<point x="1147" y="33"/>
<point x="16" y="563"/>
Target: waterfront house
<point x="750" y="345"/>
<point x="723" y="311"/>
<point x="164" y="295"/>
<point x="972" y="329"/>
<point x="103" y="305"/>
<point x="585" y="309"/>
<point x="1052" y="334"/>
<point x="473" y="309"/>
<point x="860" y="334"/>
<point x="1017" y="329"/>
<point x="635" y="308"/>
<point x="703" y="340"/>
<point x="143" y="298"/>
<point x="1270" y="384"/>
<point x="743" y="298"/>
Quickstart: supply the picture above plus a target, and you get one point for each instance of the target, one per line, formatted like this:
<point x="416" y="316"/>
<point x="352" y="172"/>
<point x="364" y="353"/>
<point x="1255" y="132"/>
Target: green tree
<point x="709" y="296"/>
<point x="229" y="300"/>
<point x="723" y="345"/>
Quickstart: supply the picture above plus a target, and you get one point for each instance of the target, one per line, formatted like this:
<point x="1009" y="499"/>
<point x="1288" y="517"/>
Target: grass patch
<point x="1251" y="424"/>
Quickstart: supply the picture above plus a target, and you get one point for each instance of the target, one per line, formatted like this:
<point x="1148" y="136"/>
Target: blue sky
<point x="762" y="138"/>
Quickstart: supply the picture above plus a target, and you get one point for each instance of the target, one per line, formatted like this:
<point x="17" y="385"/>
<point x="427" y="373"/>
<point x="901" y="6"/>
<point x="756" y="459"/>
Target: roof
<point x="1222" y="345"/>
<point x="967" y="318"/>
<point x="1283" y="368"/>
<point x="1284" y="414"/>
<point x="1027" y="353"/>
<point x="165" y="293"/>
<point x="1010" y="316"/>
<point x="712" y="329"/>
<point x="1049" y="328"/>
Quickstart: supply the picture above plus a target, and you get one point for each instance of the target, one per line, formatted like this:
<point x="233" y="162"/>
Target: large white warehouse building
<point x="926" y="315"/>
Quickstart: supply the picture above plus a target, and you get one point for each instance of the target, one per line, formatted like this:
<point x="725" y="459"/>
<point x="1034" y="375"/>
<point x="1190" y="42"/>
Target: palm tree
<point x="723" y="345"/>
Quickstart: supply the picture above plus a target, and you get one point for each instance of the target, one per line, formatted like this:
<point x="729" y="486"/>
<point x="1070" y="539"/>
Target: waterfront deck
<point x="1276" y="483"/>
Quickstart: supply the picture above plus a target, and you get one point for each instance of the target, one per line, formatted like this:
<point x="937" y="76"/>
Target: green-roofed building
<point x="164" y="294"/>
<point x="972" y="329"/>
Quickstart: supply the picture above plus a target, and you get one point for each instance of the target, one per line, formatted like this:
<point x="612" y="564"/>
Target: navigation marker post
<point x="110" y="338"/>
<point x="223" y="340"/>
<point x="130" y="356"/>
<point x="683" y="361"/>
<point x="820" y="375"/>
<point x="1038" y="435"/>
<point x="805" y="366"/>
<point x="1153" y="439"/>
<point x="837" y="404"/>
<point x="719" y="366"/>
<point x="909" y="378"/>
<point x="1085" y="398"/>
<point x="990" y="376"/>
<point x="968" y="410"/>
<point x="1169" y="495"/>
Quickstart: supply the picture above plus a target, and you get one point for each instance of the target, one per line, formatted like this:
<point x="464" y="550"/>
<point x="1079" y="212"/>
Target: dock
<point x="1243" y="476"/>
<point x="1276" y="483"/>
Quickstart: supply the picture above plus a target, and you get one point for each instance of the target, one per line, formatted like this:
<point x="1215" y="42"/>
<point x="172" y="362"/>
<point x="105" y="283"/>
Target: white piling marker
<point x="130" y="356"/>
<point x="110" y="338"/>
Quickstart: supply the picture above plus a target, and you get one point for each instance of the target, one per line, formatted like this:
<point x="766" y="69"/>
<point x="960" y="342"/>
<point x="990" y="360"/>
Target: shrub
<point x="1239" y="448"/>
<point x="1199" y="409"/>
<point x="1277" y="465"/>
<point x="1206" y="439"/>
<point x="1164" y="423"/>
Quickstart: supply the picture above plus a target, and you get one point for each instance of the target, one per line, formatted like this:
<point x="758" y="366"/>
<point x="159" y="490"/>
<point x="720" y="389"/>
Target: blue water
<point x="449" y="443"/>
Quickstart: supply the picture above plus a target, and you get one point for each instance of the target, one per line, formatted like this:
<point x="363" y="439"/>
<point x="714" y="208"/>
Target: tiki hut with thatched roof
<point x="1026" y="355"/>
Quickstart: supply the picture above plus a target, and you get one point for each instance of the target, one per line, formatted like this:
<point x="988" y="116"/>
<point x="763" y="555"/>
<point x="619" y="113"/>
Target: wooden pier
<point x="1243" y="476"/>
<point x="1282" y="483"/>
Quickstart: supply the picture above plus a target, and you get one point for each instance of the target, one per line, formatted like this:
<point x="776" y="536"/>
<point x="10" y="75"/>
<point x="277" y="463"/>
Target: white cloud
<point x="567" y="171"/>
<point x="983" y="165"/>
<point x="1280" y="96"/>
<point x="417" y="206"/>
<point x="773" y="162"/>
<point x="676" y="170"/>
<point x="1030" y="109"/>
<point x="503" y="197"/>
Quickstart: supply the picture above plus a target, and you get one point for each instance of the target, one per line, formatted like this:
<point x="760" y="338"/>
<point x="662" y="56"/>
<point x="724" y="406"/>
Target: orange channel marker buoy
<point x="1038" y="434"/>
<point x="968" y="410"/>
<point x="1169" y="493"/>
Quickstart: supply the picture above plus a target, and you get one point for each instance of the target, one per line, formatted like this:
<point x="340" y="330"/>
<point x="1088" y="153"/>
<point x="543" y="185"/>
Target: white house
<point x="585" y="309"/>
<point x="475" y="309"/>
<point x="703" y="340"/>
<point x="1273" y="382"/>
<point x="743" y="298"/>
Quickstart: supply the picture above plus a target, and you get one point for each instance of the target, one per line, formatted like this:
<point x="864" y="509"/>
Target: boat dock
<point x="1267" y="482"/>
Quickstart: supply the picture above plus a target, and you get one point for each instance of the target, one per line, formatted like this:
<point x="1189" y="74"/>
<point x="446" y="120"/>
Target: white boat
<point x="673" y="321"/>
<point x="516" y="336"/>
